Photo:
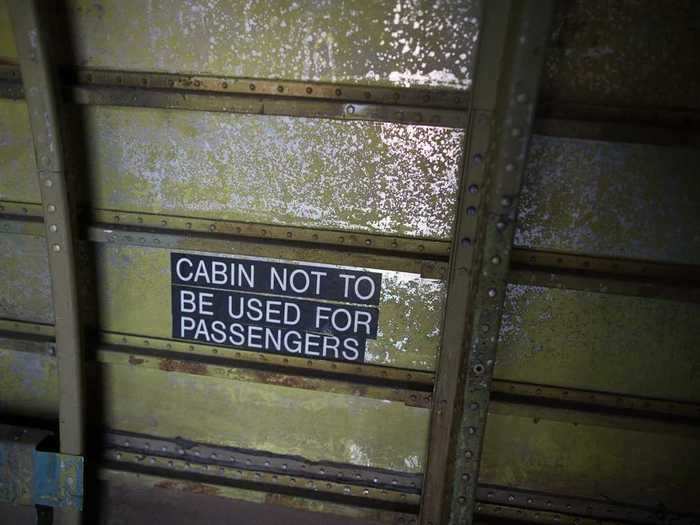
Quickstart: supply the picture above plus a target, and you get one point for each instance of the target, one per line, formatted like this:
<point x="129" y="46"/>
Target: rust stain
<point x="133" y="360"/>
<point x="186" y="367"/>
<point x="194" y="488"/>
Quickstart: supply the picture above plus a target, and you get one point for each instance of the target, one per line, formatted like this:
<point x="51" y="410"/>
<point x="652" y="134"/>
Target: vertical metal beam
<point x="42" y="100"/>
<point x="509" y="64"/>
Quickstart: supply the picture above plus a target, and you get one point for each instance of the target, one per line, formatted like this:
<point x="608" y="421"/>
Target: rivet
<point x="224" y="85"/>
<point x="462" y="499"/>
<point x="492" y="292"/>
<point x="289" y="234"/>
<point x="350" y="109"/>
<point x="251" y="87"/>
<point x="468" y="454"/>
<point x="212" y="227"/>
<point x="53" y="228"/>
<point x="500" y="225"/>
<point x="368" y="242"/>
<point x="511" y="498"/>
<point x="471" y="211"/>
<point x="197" y="83"/>
<point x="495" y="259"/>
<point x="188" y="225"/>
<point x="119" y="455"/>
<point x="473" y="188"/>
<point x="477" y="158"/>
<point x="515" y="132"/>
<point x="280" y="89"/>
<point x="478" y="369"/>
<point x="471" y="431"/>
<point x="421" y="248"/>
<point x="510" y="166"/>
<point x="484" y="328"/>
<point x="48" y="183"/>
<point x="56" y="247"/>
<point x="473" y="405"/>
<point x="309" y="90"/>
<point x="139" y="220"/>
<point x="315" y="236"/>
<point x="341" y="239"/>
<point x="506" y="201"/>
<point x="338" y="92"/>
<point x="522" y="97"/>
<point x="465" y="476"/>
<point x="466" y="242"/>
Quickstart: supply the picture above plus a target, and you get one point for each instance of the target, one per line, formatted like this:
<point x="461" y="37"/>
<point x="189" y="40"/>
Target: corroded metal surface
<point x="619" y="200"/>
<point x="17" y="164"/>
<point x="124" y="272"/>
<point x="28" y="384"/>
<point x="389" y="42"/>
<point x="25" y="285"/>
<point x="357" y="176"/>
<point x="636" y="53"/>
<point x="626" y="345"/>
<point x="629" y="467"/>
<point x="359" y="431"/>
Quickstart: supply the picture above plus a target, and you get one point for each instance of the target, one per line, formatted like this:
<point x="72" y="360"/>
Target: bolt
<point x="56" y="247"/>
<point x="51" y="208"/>
<point x="495" y="259"/>
<point x="492" y="292"/>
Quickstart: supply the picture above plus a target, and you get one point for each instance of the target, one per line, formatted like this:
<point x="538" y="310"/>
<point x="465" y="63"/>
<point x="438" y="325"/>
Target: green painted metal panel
<point x="28" y="384"/>
<point x="18" y="181"/>
<point x="396" y="42"/>
<point x="8" y="51"/>
<point x="277" y="170"/>
<point x="314" y="425"/>
<point x="622" y="466"/>
<point x="25" y="286"/>
<point x="614" y="199"/>
<point x="632" y="55"/>
<point x="134" y="297"/>
<point x="626" y="345"/>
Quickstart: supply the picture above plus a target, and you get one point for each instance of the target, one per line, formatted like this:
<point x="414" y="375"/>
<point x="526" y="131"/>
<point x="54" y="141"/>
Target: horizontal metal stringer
<point x="567" y="271"/>
<point x="538" y="507"/>
<point x="420" y="106"/>
<point x="412" y="387"/>
<point x="127" y="475"/>
<point x="426" y="257"/>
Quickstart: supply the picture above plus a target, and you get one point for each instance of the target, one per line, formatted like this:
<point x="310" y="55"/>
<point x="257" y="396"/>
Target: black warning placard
<point x="309" y="311"/>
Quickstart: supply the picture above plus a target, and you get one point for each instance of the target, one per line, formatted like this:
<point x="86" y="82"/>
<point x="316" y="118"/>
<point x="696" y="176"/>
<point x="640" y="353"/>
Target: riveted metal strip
<point x="12" y="326"/>
<point x="599" y="400"/>
<point x="503" y="512"/>
<point x="400" y="245"/>
<point x="518" y="88"/>
<point x="441" y="108"/>
<point x="181" y="363"/>
<point x="265" y="105"/>
<point x="522" y="258"/>
<point x="261" y="467"/>
<point x="373" y="372"/>
<point x="162" y="479"/>
<point x="212" y="242"/>
<point x="554" y="508"/>
<point x="43" y="116"/>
